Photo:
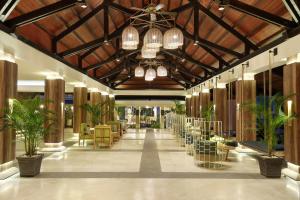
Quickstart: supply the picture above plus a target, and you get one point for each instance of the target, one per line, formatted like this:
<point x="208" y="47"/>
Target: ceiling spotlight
<point x="106" y="42"/>
<point x="182" y="60"/>
<point x="118" y="60"/>
<point x="221" y="8"/>
<point x="196" y="42"/>
<point x="83" y="5"/>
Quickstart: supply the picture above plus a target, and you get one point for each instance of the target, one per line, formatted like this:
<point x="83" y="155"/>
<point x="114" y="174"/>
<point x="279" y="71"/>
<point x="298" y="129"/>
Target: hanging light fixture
<point x="148" y="78"/>
<point x="162" y="71"/>
<point x="130" y="37"/>
<point x="139" y="72"/>
<point x="129" y="47"/>
<point x="173" y="38"/>
<point x="150" y="74"/>
<point x="148" y="53"/>
<point x="153" y="38"/>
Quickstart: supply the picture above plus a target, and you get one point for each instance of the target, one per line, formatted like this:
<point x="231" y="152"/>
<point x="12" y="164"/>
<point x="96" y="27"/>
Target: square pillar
<point x="245" y="120"/>
<point x="291" y="85"/>
<point x="8" y="90"/>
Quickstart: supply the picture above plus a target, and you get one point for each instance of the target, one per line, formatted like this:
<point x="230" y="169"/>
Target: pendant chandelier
<point x="151" y="73"/>
<point x="139" y="72"/>
<point x="173" y="38"/>
<point x="148" y="53"/>
<point x="130" y="37"/>
<point x="154" y="38"/>
<point x="162" y="71"/>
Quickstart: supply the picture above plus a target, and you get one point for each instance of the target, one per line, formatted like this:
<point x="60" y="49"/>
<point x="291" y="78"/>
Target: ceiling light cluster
<point x="154" y="39"/>
<point x="150" y="74"/>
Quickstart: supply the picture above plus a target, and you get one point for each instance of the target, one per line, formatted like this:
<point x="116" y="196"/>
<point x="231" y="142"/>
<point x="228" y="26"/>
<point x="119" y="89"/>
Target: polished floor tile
<point x="143" y="165"/>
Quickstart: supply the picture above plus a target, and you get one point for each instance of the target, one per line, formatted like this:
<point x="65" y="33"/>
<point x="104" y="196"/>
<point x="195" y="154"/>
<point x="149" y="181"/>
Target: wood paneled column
<point x="95" y="98"/>
<point x="220" y="102"/>
<point x="111" y="108"/>
<point x="188" y="106"/>
<point x="193" y="102"/>
<point x="204" y="101"/>
<point x="105" y="108"/>
<point x="291" y="85"/>
<point x="55" y="101"/>
<point x="245" y="120"/>
<point x="79" y="98"/>
<point x="8" y="90"/>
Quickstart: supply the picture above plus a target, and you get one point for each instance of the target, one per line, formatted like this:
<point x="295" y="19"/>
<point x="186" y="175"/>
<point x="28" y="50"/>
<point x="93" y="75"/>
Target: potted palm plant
<point x="179" y="108"/>
<point x="268" y="120"/>
<point x="95" y="112"/>
<point x="207" y="112"/>
<point x="32" y="122"/>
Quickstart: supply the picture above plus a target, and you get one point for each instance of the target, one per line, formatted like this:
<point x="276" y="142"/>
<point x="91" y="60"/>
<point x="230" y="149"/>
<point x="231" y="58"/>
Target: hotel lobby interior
<point x="150" y="99"/>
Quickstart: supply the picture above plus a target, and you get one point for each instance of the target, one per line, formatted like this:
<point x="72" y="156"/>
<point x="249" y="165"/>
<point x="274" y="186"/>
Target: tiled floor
<point x="143" y="165"/>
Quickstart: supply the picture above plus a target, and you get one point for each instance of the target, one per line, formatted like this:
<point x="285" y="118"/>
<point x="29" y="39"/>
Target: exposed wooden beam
<point x="210" y="44"/>
<point x="214" y="54"/>
<point x="181" y="54"/>
<point x="182" y="8"/>
<point x="227" y="27"/>
<point x="258" y="13"/>
<point x="196" y="22"/>
<point x="119" y="54"/>
<point x="6" y="7"/>
<point x="95" y="43"/>
<point x="41" y="13"/>
<point x="78" y="23"/>
<point x="171" y="77"/>
<point x="106" y="21"/>
<point x="130" y="76"/>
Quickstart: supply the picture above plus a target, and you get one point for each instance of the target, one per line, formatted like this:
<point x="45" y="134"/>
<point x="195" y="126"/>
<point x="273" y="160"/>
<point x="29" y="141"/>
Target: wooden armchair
<point x="84" y="133"/>
<point x="116" y="129"/>
<point x="103" y="136"/>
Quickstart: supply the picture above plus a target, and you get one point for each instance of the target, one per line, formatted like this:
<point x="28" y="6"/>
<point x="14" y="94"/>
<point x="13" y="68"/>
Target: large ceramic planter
<point x="270" y="166"/>
<point x="30" y="166"/>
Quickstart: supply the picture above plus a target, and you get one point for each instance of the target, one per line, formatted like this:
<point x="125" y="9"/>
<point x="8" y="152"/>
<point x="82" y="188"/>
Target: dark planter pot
<point x="270" y="166"/>
<point x="30" y="166"/>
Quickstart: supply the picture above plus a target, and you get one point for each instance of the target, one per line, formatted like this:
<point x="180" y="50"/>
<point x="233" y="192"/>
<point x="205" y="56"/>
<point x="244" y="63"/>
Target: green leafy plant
<point x="68" y="111"/>
<point x="267" y="120"/>
<point x="155" y="125"/>
<point x="179" y="108"/>
<point x="31" y="120"/>
<point x="95" y="111"/>
<point x="207" y="112"/>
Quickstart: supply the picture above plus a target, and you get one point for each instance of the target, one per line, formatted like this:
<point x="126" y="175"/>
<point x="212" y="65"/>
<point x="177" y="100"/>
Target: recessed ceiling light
<point x="83" y="6"/>
<point x="118" y="60"/>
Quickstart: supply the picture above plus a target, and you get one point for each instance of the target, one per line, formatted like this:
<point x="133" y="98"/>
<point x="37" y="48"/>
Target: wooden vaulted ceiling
<point x="79" y="35"/>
